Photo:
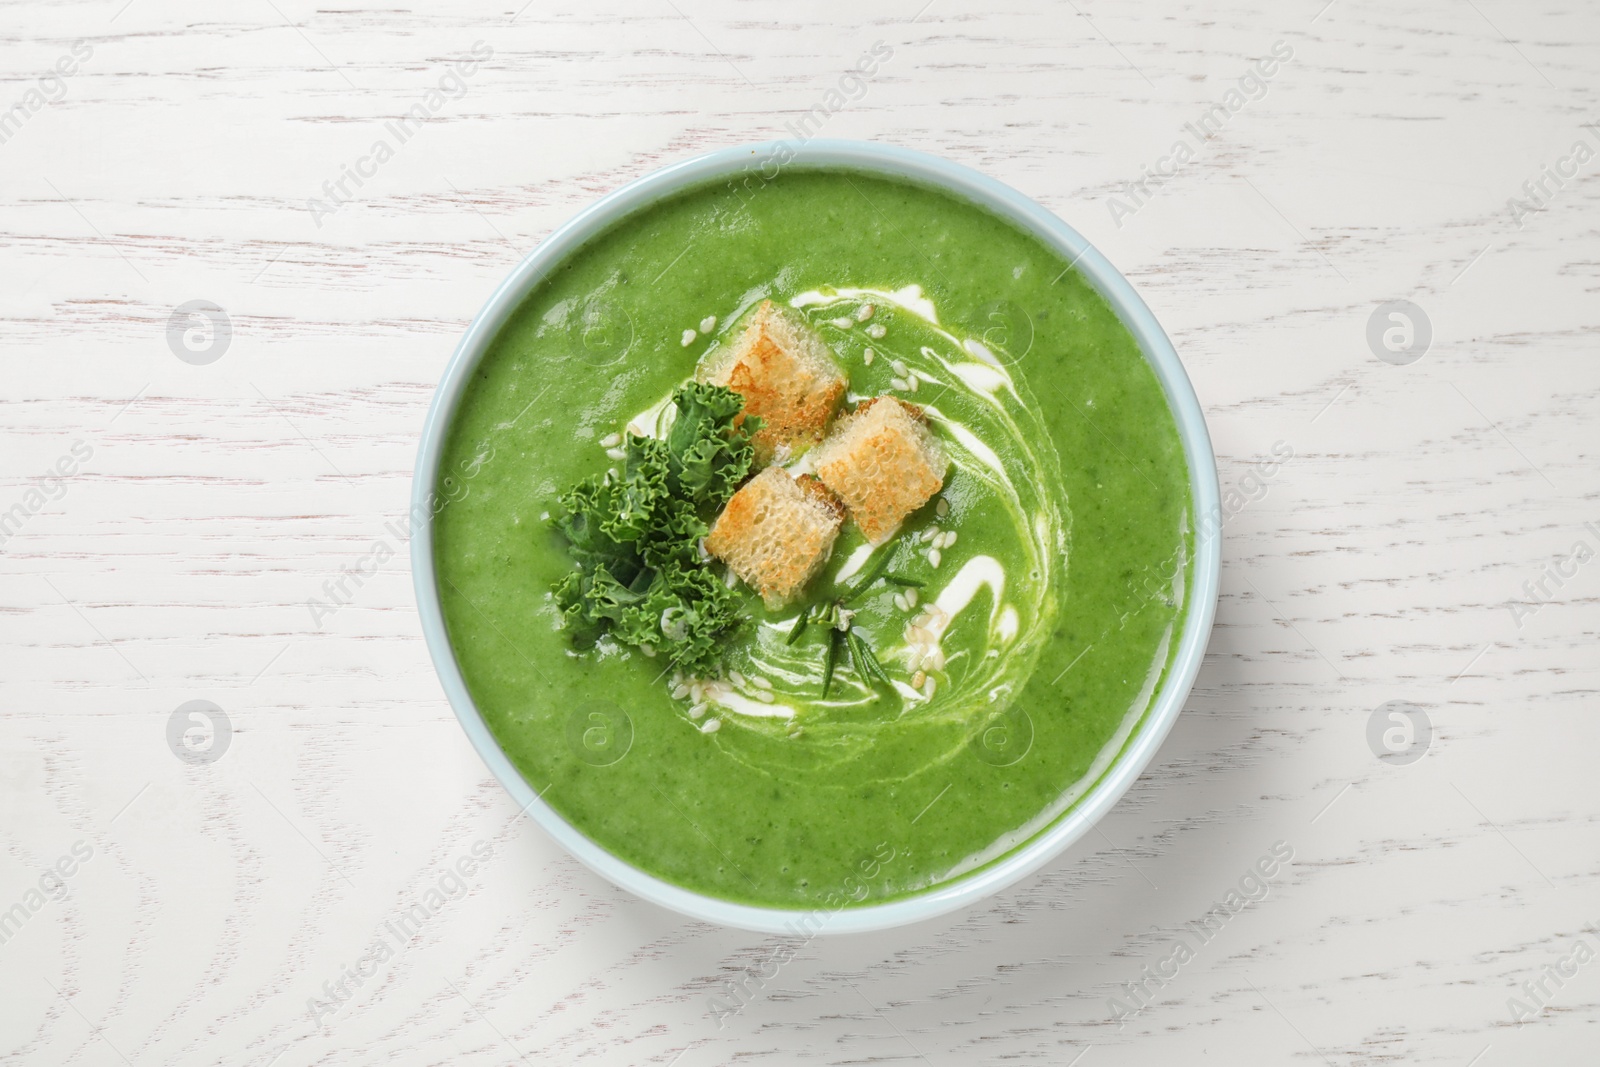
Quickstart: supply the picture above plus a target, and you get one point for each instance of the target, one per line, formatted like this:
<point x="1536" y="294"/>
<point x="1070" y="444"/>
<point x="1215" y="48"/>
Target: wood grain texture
<point x="1380" y="563"/>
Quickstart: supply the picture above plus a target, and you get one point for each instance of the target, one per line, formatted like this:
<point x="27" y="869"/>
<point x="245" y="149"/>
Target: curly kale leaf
<point x="707" y="456"/>
<point x="634" y="537"/>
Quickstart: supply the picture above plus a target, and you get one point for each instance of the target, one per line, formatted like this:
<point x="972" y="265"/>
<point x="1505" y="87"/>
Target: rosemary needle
<point x="866" y="663"/>
<point x="872" y="662"/>
<point x="830" y="660"/>
<point x="872" y="576"/>
<point x="799" y="627"/>
<point x="858" y="660"/>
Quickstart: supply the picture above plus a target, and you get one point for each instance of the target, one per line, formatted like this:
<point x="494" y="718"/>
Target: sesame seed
<point x="843" y="322"/>
<point x="696" y="711"/>
<point x="949" y="538"/>
<point x="915" y="662"/>
<point x="648" y="650"/>
<point x="900" y="602"/>
<point x="876" y="331"/>
<point x="914" y="382"/>
<point x="917" y="680"/>
<point x="921" y="636"/>
<point x="933" y="557"/>
<point x="711" y="726"/>
<point x="899" y="386"/>
<point x="611" y="440"/>
<point x="763" y="696"/>
<point x="688" y="338"/>
<point x="901" y="369"/>
<point x="736" y="678"/>
<point x="708" y="324"/>
<point x="868" y="357"/>
<point x="911" y="597"/>
<point x="921" y="621"/>
<point x="679" y="692"/>
<point x="929" y="688"/>
<point x="942" y="508"/>
<point x="865" y="313"/>
<point x="760" y="683"/>
<point x="616" y="453"/>
<point x="936" y="659"/>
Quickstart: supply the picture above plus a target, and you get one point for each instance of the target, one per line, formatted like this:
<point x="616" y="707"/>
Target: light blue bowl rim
<point x="998" y="198"/>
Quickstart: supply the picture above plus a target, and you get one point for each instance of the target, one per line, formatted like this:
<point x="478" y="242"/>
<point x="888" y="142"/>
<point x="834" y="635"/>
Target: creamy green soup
<point x="1052" y="565"/>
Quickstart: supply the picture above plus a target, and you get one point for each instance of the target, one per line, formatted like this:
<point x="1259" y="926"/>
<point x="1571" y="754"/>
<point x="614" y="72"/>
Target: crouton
<point x="884" y="463"/>
<point x="776" y="533"/>
<point x="787" y="376"/>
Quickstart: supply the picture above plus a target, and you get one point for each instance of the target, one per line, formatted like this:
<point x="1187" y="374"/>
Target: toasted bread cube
<point x="776" y="533"/>
<point x="787" y="376"/>
<point x="884" y="463"/>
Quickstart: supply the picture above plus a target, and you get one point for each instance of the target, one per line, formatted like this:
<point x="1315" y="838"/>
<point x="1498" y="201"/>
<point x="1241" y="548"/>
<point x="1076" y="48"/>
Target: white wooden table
<point x="212" y="496"/>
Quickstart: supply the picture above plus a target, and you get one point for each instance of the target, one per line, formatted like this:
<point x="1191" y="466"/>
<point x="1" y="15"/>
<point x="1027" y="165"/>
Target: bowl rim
<point x="755" y="160"/>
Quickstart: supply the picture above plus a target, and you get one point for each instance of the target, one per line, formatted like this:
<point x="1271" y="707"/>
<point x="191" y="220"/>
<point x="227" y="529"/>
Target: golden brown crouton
<point x="776" y="533"/>
<point x="787" y="376"/>
<point x="883" y="463"/>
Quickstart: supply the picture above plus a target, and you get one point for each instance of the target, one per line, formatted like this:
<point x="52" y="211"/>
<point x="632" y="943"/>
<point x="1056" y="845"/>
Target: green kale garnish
<point x="635" y="537"/>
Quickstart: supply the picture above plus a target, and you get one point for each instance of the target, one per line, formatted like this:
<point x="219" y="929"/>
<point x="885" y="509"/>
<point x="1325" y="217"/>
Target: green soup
<point x="1053" y="564"/>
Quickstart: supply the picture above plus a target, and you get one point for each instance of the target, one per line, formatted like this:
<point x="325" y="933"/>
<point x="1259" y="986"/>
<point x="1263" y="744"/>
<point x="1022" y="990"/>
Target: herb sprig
<point x="635" y="536"/>
<point x="843" y="642"/>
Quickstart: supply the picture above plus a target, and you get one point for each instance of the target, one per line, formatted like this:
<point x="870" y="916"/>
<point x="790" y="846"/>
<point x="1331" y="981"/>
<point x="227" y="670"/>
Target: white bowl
<point x="1001" y="200"/>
